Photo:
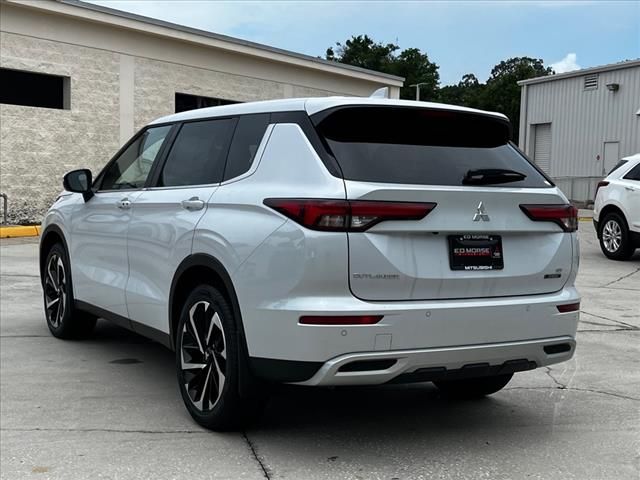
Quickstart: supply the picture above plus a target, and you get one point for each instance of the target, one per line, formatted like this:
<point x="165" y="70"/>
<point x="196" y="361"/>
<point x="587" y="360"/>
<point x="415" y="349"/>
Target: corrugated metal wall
<point x="583" y="120"/>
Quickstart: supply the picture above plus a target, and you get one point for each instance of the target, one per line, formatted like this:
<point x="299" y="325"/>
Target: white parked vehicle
<point x="321" y="241"/>
<point x="616" y="210"/>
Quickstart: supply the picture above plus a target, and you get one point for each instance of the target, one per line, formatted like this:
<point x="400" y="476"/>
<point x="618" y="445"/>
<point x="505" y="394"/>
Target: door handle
<point x="194" y="203"/>
<point x="631" y="189"/>
<point x="124" y="204"/>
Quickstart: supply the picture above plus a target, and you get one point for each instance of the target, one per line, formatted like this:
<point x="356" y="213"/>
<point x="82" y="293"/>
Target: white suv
<point x="321" y="241"/>
<point x="616" y="210"/>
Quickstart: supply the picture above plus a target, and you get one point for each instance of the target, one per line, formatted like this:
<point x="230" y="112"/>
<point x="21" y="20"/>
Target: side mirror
<point x="79" y="181"/>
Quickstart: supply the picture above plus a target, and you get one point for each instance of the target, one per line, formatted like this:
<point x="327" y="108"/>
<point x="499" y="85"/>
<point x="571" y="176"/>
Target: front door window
<point x="131" y="169"/>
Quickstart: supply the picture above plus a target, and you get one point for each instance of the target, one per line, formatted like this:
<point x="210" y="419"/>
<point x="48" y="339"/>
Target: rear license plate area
<point x="475" y="252"/>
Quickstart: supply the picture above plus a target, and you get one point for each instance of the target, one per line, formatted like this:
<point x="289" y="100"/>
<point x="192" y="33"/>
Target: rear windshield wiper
<point x="487" y="176"/>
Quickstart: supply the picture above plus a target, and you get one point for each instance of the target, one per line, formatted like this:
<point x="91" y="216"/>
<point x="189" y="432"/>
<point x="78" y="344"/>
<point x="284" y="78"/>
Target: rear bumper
<point x="273" y="331"/>
<point x="373" y="368"/>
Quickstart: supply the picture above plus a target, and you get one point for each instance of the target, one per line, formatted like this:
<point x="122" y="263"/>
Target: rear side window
<point x="245" y="143"/>
<point x="198" y="154"/>
<point x="634" y="173"/>
<point x="617" y="166"/>
<point x="423" y="146"/>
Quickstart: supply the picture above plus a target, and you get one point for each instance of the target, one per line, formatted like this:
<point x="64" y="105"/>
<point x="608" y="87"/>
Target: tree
<point x="362" y="51"/>
<point x="502" y="92"/>
<point x="469" y="80"/>
<point x="468" y="92"/>
<point x="416" y="68"/>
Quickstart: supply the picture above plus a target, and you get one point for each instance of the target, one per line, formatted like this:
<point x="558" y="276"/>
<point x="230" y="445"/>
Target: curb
<point x="20" y="231"/>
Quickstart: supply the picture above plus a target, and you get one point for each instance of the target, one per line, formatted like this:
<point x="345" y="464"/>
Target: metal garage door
<point x="542" y="147"/>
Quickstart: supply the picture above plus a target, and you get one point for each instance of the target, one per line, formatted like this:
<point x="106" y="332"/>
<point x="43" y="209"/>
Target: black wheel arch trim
<point x="207" y="261"/>
<point x="53" y="228"/>
<point x="246" y="385"/>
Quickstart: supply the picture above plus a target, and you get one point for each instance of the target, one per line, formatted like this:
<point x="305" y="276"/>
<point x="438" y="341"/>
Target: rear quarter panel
<point x="267" y="256"/>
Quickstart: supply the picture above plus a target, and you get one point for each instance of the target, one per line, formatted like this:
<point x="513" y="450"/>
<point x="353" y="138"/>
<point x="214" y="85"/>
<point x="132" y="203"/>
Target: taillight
<point x="340" y="320"/>
<point x="346" y="215"/>
<point x="603" y="183"/>
<point x="566" y="216"/>
<point x="569" y="307"/>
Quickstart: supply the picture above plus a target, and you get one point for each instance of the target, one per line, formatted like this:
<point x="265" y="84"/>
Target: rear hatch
<point x="482" y="239"/>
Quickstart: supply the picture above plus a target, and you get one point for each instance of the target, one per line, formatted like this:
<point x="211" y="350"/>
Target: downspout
<point x="522" y="137"/>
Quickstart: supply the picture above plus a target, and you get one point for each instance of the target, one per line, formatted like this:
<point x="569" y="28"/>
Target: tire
<point x="615" y="241"/>
<point x="208" y="363"/>
<point x="473" y="387"/>
<point x="63" y="319"/>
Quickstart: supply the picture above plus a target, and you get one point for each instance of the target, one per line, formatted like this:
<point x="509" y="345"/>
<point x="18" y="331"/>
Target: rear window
<point x="423" y="146"/>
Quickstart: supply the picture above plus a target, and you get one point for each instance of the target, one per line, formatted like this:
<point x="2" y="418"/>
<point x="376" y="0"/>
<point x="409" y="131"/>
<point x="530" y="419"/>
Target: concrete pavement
<point x="109" y="407"/>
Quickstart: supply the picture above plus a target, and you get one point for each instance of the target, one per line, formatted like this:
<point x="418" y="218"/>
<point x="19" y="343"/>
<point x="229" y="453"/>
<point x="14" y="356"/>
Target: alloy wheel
<point x="203" y="356"/>
<point x="55" y="290"/>
<point x="612" y="236"/>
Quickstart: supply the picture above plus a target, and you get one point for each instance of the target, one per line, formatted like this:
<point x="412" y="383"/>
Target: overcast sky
<point x="460" y="36"/>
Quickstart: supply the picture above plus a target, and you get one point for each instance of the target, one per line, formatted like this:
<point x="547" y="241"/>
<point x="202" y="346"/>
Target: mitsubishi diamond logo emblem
<point x="481" y="214"/>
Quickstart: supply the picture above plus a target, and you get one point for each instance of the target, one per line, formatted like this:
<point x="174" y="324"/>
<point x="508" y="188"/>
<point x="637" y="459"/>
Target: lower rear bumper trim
<point x="447" y="362"/>
<point x="468" y="371"/>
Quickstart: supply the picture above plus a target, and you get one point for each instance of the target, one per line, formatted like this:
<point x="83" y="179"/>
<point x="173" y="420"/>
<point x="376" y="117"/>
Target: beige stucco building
<point x="108" y="73"/>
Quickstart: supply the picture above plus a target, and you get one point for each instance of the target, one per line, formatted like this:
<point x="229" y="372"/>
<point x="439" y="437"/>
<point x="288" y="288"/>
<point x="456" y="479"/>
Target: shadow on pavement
<point x="392" y="412"/>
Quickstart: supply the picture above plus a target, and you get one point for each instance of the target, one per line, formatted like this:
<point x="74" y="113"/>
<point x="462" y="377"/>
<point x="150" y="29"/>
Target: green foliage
<point x="362" y="51"/>
<point x="416" y="68"/>
<point x="467" y="92"/>
<point x="500" y="93"/>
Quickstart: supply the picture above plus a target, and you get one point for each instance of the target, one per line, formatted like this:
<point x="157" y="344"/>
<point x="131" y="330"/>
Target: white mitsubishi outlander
<point x="320" y="241"/>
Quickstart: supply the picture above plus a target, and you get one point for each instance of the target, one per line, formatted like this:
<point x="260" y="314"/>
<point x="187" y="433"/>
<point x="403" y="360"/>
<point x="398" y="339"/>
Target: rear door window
<point x="423" y="146"/>
<point x="245" y="143"/>
<point x="198" y="154"/>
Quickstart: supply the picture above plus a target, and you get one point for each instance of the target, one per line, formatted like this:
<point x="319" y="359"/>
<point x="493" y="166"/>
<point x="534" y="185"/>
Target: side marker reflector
<point x="341" y="320"/>
<point x="570" y="307"/>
